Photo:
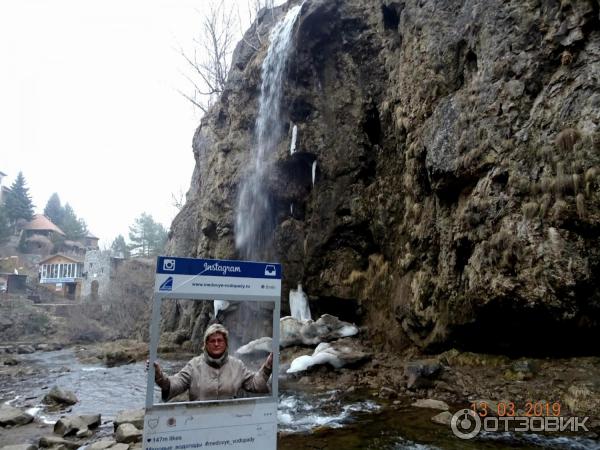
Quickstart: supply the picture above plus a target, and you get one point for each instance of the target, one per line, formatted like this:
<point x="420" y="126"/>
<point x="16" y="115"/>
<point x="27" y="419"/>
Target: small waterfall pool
<point x="307" y="418"/>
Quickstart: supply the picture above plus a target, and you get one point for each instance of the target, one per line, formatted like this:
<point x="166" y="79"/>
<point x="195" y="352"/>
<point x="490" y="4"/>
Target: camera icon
<point x="169" y="264"/>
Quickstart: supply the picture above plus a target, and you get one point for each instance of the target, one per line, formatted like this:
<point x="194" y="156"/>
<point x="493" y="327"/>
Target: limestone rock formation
<point x="445" y="188"/>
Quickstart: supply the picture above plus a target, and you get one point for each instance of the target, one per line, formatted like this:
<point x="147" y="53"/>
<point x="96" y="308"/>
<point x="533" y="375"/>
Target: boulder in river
<point x="419" y="374"/>
<point x="307" y="332"/>
<point x="13" y="416"/>
<point x="132" y="416"/>
<point x="102" y="445"/>
<point x="55" y="441"/>
<point x="25" y="349"/>
<point x="19" y="447"/>
<point x="443" y="418"/>
<point x="73" y="425"/>
<point x="58" y="395"/>
<point x="431" y="403"/>
<point x="124" y="447"/>
<point x="127" y="433"/>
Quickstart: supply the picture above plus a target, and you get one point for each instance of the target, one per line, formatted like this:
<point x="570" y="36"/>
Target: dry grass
<point x="545" y="204"/>
<point x="580" y="204"/>
<point x="566" y="139"/>
<point x="563" y="185"/>
<point x="591" y="174"/>
<point x="546" y="185"/>
<point x="576" y="183"/>
<point x="559" y="209"/>
<point x="530" y="210"/>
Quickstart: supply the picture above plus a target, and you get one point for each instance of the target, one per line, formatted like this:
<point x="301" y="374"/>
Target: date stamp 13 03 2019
<point x="540" y="408"/>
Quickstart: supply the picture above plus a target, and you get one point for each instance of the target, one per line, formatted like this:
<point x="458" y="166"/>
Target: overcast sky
<point x="89" y="105"/>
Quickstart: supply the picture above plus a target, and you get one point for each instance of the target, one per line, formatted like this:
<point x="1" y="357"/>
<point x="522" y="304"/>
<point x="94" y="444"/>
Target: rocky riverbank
<point x="424" y="384"/>
<point x="462" y="378"/>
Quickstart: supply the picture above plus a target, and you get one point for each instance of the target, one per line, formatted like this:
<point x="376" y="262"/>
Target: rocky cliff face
<point x="456" y="198"/>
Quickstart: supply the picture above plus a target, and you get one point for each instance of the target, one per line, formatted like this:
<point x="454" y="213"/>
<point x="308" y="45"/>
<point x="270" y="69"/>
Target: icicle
<point x="314" y="171"/>
<point x="219" y="305"/>
<point x="293" y="143"/>
<point x="299" y="304"/>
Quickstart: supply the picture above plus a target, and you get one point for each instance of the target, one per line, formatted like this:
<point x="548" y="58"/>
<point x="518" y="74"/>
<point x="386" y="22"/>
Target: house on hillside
<point x="90" y="242"/>
<point x="42" y="236"/>
<point x="39" y="235"/>
<point x="62" y="274"/>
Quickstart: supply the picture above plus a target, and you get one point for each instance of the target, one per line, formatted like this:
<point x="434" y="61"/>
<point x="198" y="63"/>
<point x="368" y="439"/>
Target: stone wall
<point x="97" y="266"/>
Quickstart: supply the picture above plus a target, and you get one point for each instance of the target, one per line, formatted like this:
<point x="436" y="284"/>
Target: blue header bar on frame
<point x="217" y="268"/>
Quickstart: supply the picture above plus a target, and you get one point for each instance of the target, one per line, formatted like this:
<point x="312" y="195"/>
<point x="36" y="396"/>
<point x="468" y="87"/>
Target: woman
<point x="214" y="375"/>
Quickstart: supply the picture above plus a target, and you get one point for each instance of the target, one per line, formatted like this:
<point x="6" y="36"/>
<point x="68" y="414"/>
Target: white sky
<point x="89" y="105"/>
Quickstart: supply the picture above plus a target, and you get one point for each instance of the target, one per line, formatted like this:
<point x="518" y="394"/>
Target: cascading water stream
<point x="254" y="221"/>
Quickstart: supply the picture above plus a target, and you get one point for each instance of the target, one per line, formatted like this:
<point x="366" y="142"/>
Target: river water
<point x="317" y="419"/>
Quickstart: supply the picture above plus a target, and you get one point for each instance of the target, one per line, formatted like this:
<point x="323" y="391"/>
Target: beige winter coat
<point x="208" y="382"/>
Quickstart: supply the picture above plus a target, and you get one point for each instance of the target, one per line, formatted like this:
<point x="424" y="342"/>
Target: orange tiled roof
<point x="42" y="223"/>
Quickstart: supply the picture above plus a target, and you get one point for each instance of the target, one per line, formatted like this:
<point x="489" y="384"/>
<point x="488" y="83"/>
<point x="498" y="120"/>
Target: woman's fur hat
<point x="216" y="328"/>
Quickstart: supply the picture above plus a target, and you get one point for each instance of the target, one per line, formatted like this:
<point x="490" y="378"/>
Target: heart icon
<point x="153" y="423"/>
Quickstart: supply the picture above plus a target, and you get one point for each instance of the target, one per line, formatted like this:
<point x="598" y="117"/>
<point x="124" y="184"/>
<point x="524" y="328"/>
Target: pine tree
<point x="73" y="227"/>
<point x="147" y="236"/>
<point x="54" y="210"/>
<point x="4" y="226"/>
<point x="120" y="246"/>
<point x="18" y="202"/>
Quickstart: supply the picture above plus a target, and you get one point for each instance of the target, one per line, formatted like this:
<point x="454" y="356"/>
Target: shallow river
<point x="306" y="419"/>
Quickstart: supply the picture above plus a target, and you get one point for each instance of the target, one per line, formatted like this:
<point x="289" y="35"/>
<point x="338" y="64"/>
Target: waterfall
<point x="254" y="221"/>
<point x="314" y="172"/>
<point x="299" y="304"/>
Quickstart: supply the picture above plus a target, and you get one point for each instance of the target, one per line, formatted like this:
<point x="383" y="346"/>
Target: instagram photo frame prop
<point x="244" y="423"/>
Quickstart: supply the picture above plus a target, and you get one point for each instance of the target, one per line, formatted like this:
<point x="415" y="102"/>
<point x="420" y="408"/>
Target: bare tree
<point x="254" y="7"/>
<point x="211" y="59"/>
<point x="178" y="199"/>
